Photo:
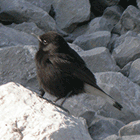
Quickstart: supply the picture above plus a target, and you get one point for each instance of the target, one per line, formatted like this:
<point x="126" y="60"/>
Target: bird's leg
<point x="42" y="93"/>
<point x="64" y="98"/>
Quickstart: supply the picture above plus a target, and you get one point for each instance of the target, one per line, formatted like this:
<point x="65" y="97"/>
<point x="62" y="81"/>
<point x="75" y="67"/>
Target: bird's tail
<point x="99" y="92"/>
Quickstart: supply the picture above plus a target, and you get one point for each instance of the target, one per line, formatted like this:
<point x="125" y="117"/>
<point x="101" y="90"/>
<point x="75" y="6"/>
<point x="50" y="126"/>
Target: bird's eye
<point x="44" y="42"/>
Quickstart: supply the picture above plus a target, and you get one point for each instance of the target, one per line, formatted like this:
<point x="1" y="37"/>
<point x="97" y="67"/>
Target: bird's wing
<point x="75" y="67"/>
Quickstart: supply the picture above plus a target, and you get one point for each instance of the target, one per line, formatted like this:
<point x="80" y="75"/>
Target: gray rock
<point x="135" y="137"/>
<point x="18" y="65"/>
<point x="71" y="12"/>
<point x="26" y="116"/>
<point x="75" y="47"/>
<point x="99" y="60"/>
<point x="81" y="30"/>
<point x="120" y="88"/>
<point x="45" y="5"/>
<point x="119" y="40"/>
<point x="99" y="24"/>
<point x="130" y="20"/>
<point x="134" y="74"/>
<point x="126" y="69"/>
<point x="113" y="14"/>
<point x="113" y="38"/>
<point x="127" y="51"/>
<point x="11" y="37"/>
<point x="132" y="128"/>
<point x="28" y="27"/>
<point x="103" y="127"/>
<point x="98" y="6"/>
<point x="138" y="3"/>
<point x="114" y="137"/>
<point x="96" y="39"/>
<point x="124" y="91"/>
<point x="25" y="11"/>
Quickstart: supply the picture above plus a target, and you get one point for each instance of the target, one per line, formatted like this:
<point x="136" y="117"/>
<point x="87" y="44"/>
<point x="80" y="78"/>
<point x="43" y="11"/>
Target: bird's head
<point x="50" y="41"/>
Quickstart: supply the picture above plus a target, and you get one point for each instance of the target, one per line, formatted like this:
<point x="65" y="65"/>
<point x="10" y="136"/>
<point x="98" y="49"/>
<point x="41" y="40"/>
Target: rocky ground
<point x="107" y="36"/>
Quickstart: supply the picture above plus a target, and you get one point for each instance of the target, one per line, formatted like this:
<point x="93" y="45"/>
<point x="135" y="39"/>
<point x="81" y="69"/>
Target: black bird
<point x="62" y="72"/>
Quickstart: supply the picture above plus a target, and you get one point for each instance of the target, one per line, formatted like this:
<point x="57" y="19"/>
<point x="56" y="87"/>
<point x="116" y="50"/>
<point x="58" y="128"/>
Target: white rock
<point x="28" y="117"/>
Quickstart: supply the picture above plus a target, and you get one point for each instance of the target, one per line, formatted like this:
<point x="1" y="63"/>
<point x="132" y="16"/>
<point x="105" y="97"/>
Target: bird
<point x="62" y="72"/>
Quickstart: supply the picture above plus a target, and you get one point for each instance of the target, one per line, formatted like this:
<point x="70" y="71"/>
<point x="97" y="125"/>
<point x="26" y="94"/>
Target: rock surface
<point x="107" y="34"/>
<point x="96" y="39"/>
<point x="26" y="116"/>
<point x="71" y="12"/>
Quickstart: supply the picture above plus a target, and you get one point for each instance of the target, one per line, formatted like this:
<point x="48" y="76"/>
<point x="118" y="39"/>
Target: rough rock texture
<point x="18" y="65"/>
<point x="71" y="12"/>
<point x="134" y="73"/>
<point x="107" y="34"/>
<point x="132" y="128"/>
<point x="102" y="127"/>
<point x="96" y="39"/>
<point x="127" y="51"/>
<point x="24" y="11"/>
<point x="124" y="91"/>
<point x="12" y="37"/>
<point x="101" y="58"/>
<point x="25" y="116"/>
<point x="28" y="27"/>
<point x="130" y="19"/>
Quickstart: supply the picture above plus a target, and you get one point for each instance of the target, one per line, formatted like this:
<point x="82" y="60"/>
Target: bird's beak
<point x="36" y="37"/>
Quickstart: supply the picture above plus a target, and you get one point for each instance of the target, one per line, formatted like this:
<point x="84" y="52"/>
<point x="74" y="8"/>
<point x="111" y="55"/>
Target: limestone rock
<point x="132" y="128"/>
<point x="96" y="39"/>
<point x="124" y="91"/>
<point x="23" y="11"/>
<point x="26" y="116"/>
<point x="99" y="24"/>
<point x="71" y="12"/>
<point x="113" y="14"/>
<point x="103" y="127"/>
<point x="18" y="65"/>
<point x="44" y="4"/>
<point x="99" y="60"/>
<point x="130" y="20"/>
<point x="114" y="137"/>
<point x="28" y="27"/>
<point x="127" y="51"/>
<point x="12" y="37"/>
<point x="134" y="74"/>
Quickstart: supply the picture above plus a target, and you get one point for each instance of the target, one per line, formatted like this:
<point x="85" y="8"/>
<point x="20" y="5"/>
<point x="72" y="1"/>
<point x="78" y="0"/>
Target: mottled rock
<point x="11" y="37"/>
<point x="132" y="128"/>
<point x="99" y="60"/>
<point x="96" y="39"/>
<point x="99" y="24"/>
<point x="26" y="12"/>
<point x="71" y="12"/>
<point x="130" y="20"/>
<point x="127" y="51"/>
<point x="44" y="4"/>
<point x="18" y="65"/>
<point x="124" y="91"/>
<point x="113" y="14"/>
<point x="28" y="27"/>
<point x="26" y="116"/>
<point x="103" y="127"/>
<point x="134" y="73"/>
